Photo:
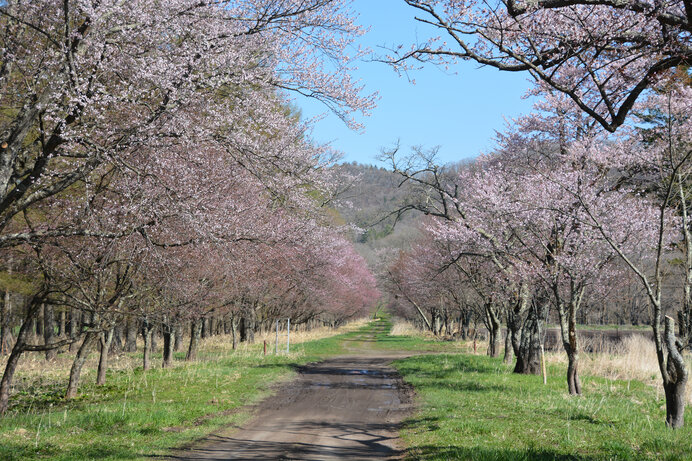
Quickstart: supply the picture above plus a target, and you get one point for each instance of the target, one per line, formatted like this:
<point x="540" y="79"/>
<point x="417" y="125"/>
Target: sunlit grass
<point x="139" y="414"/>
<point x="473" y="407"/>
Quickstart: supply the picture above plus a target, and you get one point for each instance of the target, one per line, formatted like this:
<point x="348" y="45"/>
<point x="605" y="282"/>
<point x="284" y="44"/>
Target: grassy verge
<point x="473" y="407"/>
<point x="139" y="414"/>
<point x="411" y="340"/>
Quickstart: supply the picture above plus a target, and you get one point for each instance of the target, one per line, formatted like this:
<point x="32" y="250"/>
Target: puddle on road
<point x="364" y="372"/>
<point x="351" y="384"/>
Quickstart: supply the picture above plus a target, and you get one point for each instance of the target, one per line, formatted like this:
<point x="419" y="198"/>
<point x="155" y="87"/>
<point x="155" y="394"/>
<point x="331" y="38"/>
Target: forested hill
<point x="370" y="195"/>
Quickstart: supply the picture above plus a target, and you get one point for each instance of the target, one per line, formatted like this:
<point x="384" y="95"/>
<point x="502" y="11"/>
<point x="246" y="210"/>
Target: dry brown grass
<point x="33" y="369"/>
<point x="402" y="327"/>
<point x="223" y="343"/>
<point x="634" y="358"/>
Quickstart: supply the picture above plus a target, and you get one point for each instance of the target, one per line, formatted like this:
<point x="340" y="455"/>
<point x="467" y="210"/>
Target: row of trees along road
<point x="582" y="199"/>
<point x="153" y="177"/>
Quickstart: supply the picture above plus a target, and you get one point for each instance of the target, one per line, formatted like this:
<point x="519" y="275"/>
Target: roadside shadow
<point x="430" y="452"/>
<point x="336" y="440"/>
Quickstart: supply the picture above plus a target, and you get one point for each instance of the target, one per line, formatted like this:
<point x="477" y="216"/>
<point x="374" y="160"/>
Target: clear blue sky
<point x="458" y="112"/>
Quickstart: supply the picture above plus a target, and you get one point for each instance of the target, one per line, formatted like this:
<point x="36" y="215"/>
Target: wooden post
<point x="276" y="343"/>
<point x="265" y="347"/>
<point x="288" y="335"/>
<point x="545" y="376"/>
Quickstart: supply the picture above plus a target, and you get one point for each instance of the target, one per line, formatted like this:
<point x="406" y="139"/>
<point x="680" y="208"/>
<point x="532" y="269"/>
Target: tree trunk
<point x="168" y="340"/>
<point x="247" y="325"/>
<point x="178" y="337"/>
<point x="465" y="324"/>
<point x="62" y="331"/>
<point x="75" y="326"/>
<point x="39" y="324"/>
<point x="437" y="324"/>
<point x="674" y="380"/>
<point x="77" y="365"/>
<point x="234" y="331"/>
<point x="32" y="331"/>
<point x="147" y="333"/>
<point x="49" y="331"/>
<point x="493" y="332"/>
<point x="528" y="346"/>
<point x="573" y="383"/>
<point x="116" y="346"/>
<point x="13" y="360"/>
<point x="131" y="334"/>
<point x="568" y="332"/>
<point x="508" y="346"/>
<point x="205" y="328"/>
<point x="195" y="336"/>
<point x="5" y="328"/>
<point x="105" y="338"/>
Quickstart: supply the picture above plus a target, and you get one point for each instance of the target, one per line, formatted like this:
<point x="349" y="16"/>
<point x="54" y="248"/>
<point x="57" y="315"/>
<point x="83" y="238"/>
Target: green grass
<point x="473" y="407"/>
<point x="137" y="414"/>
<point x="384" y="341"/>
<point x="470" y="407"/>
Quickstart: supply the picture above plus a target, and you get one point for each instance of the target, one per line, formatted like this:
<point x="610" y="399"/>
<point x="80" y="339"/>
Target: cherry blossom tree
<point x="602" y="54"/>
<point x="155" y="135"/>
<point x="86" y="83"/>
<point x="661" y="152"/>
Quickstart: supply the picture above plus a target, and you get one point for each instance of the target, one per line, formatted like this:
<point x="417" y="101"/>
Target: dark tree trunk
<point x="243" y="329"/>
<point x="62" y="331"/>
<point x="205" y="328"/>
<point x="105" y="339"/>
<point x="77" y="365"/>
<point x="675" y="401"/>
<point x="675" y="379"/>
<point x="195" y="336"/>
<point x="573" y="383"/>
<point x="5" y="325"/>
<point x="49" y="331"/>
<point x="508" y="346"/>
<point x="494" y="333"/>
<point x="247" y="326"/>
<point x="117" y="343"/>
<point x="227" y="326"/>
<point x="168" y="339"/>
<point x="75" y="326"/>
<point x="25" y="332"/>
<point x="131" y="334"/>
<point x="177" y="337"/>
<point x="465" y="324"/>
<point x="527" y="343"/>
<point x="148" y="335"/>
<point x="39" y="324"/>
<point x="568" y="332"/>
<point x="32" y="331"/>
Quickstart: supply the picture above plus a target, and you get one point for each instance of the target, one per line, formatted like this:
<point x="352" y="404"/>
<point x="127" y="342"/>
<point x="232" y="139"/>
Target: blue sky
<point x="458" y="110"/>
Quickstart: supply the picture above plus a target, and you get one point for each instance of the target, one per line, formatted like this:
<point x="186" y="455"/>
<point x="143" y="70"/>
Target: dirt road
<point x="343" y="408"/>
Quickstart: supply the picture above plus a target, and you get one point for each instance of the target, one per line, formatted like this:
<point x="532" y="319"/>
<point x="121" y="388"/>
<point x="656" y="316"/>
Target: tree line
<point x="155" y="181"/>
<point x="584" y="202"/>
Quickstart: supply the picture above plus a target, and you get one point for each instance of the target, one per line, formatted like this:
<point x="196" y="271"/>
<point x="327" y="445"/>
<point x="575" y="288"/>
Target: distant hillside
<point x="368" y="202"/>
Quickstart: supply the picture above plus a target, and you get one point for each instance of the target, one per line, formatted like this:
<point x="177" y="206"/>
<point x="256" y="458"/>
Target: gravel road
<point x="346" y="408"/>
